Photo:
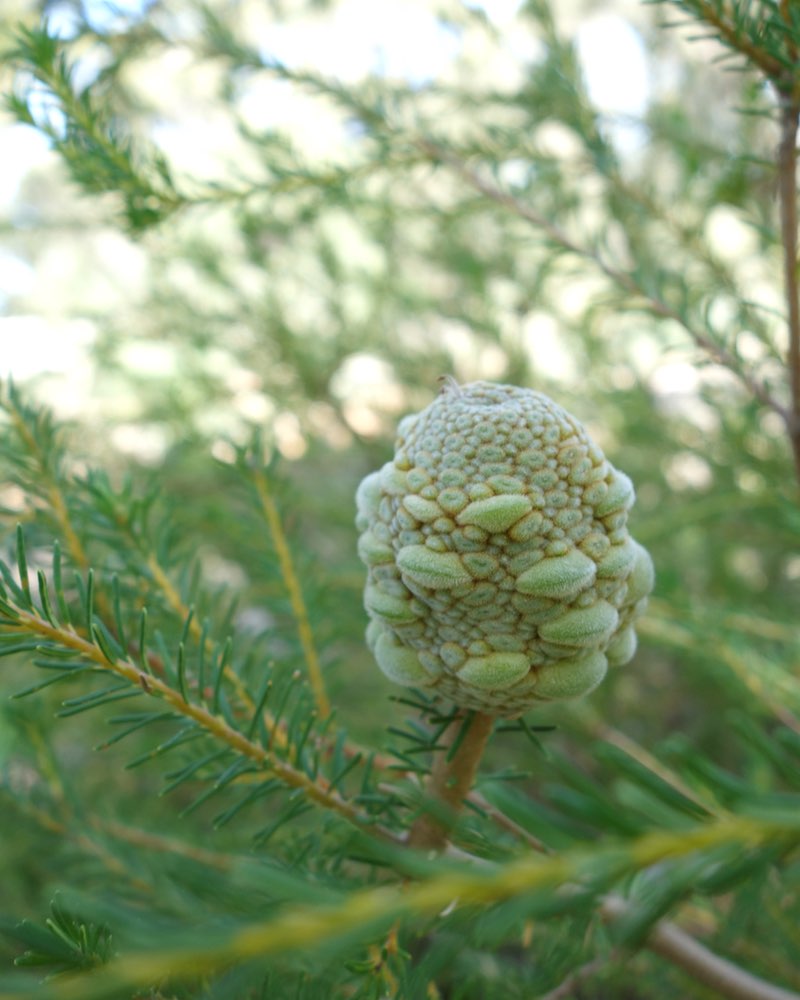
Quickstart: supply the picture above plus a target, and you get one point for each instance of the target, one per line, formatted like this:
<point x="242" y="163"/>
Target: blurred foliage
<point x="276" y="259"/>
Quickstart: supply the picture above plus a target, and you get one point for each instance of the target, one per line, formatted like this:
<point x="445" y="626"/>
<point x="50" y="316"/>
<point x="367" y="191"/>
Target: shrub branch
<point x="304" y="927"/>
<point x="314" y="789"/>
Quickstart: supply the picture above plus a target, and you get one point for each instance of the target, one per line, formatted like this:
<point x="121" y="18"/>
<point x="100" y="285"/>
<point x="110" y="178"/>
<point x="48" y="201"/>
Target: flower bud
<point x="500" y="569"/>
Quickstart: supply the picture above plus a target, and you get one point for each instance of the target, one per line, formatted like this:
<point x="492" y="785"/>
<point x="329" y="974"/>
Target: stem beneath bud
<point x="451" y="779"/>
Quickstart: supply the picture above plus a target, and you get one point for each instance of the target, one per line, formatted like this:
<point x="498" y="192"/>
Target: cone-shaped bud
<point x="500" y="568"/>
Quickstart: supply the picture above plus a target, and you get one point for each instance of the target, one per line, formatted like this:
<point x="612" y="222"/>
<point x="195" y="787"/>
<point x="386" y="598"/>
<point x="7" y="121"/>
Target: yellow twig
<point x="300" y="927"/>
<point x="294" y="590"/>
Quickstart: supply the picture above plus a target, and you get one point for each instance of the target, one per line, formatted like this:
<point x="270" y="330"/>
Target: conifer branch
<point x="161" y="844"/>
<point x="314" y="789"/>
<point x="734" y="35"/>
<point x="88" y="140"/>
<point x="737" y="30"/>
<point x="290" y="579"/>
<point x="88" y="845"/>
<point x="181" y="609"/>
<point x="131" y="835"/>
<point x="60" y="510"/>
<point x="53" y="491"/>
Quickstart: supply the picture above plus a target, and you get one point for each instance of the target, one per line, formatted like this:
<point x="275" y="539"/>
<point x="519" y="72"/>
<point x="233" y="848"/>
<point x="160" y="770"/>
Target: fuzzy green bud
<point x="500" y="569"/>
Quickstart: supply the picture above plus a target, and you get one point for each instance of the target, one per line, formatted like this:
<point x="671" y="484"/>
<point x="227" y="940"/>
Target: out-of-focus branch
<point x="787" y="193"/>
<point x="623" y="279"/>
<point x="722" y="20"/>
<point x="681" y="949"/>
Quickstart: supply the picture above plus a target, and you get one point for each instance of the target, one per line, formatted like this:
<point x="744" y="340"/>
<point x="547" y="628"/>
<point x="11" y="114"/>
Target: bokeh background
<point x="317" y="270"/>
<point x="290" y="217"/>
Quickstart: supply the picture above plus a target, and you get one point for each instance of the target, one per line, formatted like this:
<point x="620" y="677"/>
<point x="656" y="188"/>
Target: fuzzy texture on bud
<point x="500" y="568"/>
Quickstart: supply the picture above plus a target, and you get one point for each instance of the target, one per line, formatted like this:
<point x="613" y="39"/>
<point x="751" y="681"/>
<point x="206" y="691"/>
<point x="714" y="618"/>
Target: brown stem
<point x="722" y="18"/>
<point x="787" y="187"/>
<point x="680" y="948"/>
<point x="451" y="779"/>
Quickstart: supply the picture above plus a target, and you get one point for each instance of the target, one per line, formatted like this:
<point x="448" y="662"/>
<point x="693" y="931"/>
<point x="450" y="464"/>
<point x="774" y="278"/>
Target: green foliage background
<point x="488" y="223"/>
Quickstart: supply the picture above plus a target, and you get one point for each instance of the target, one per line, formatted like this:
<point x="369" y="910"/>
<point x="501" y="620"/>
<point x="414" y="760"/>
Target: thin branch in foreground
<point x="722" y="20"/>
<point x="301" y="927"/>
<point x="566" y="989"/>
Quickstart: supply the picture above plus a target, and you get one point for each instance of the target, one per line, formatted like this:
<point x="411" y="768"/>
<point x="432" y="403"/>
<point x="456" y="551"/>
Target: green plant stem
<point x="451" y="779"/>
